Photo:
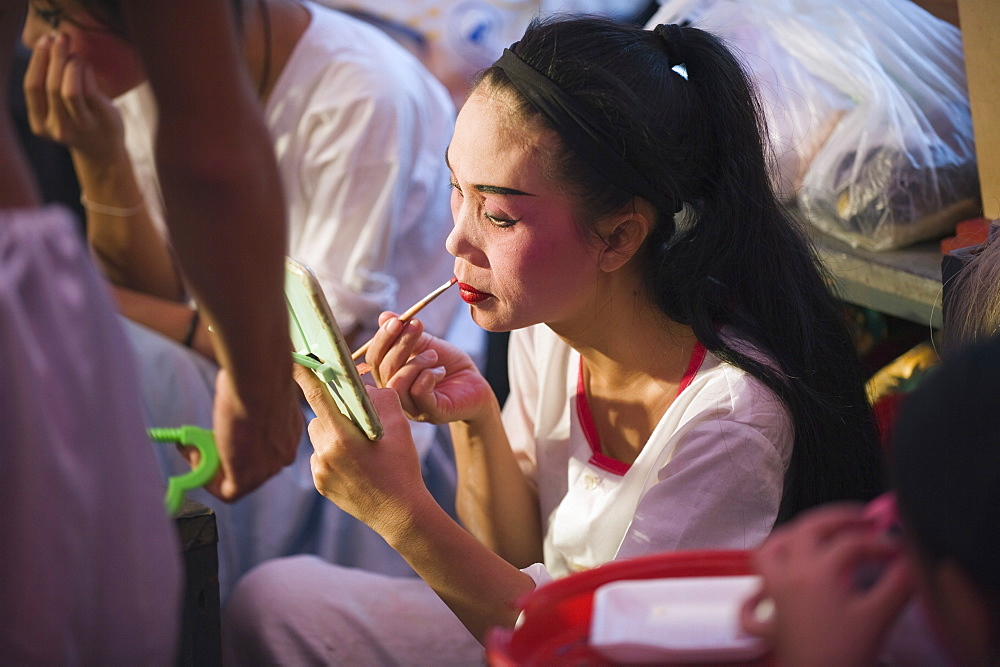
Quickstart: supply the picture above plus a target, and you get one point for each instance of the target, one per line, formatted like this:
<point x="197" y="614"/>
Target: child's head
<point x="946" y="461"/>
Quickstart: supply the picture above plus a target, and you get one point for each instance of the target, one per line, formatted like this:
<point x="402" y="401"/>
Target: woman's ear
<point x="622" y="235"/>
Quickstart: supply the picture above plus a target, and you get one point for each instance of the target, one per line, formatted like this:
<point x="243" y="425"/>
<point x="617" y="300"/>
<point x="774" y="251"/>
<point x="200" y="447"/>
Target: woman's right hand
<point x="65" y="105"/>
<point x="436" y="381"/>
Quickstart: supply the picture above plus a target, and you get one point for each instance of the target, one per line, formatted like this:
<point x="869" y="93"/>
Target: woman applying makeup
<point x="680" y="376"/>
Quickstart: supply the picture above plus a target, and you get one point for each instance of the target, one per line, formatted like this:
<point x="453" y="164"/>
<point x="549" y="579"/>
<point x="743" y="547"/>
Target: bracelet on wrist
<point x="112" y="210"/>
<point x="192" y="328"/>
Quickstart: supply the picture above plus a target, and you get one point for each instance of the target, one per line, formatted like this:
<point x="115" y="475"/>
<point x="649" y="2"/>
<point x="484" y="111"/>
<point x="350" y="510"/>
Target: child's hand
<point x="813" y="606"/>
<point x="435" y="380"/>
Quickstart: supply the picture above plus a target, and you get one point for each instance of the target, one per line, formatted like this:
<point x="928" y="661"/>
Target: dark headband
<point x="573" y="125"/>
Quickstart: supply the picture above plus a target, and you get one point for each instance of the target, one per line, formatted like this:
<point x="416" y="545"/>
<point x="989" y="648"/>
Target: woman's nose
<point x="459" y="242"/>
<point x="34" y="29"/>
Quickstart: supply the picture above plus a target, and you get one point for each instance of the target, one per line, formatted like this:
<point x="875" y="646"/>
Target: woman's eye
<point x="52" y="17"/>
<point x="457" y="189"/>
<point x="501" y="222"/>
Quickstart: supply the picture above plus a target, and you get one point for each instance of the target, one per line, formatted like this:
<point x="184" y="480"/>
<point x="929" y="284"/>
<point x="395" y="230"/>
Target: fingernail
<point x="763" y="613"/>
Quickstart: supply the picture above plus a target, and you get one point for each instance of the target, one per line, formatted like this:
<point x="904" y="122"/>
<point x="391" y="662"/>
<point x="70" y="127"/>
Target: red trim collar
<point x="597" y="458"/>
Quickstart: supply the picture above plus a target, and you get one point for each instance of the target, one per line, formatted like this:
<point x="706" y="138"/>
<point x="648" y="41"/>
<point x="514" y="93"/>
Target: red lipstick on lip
<point x="470" y="294"/>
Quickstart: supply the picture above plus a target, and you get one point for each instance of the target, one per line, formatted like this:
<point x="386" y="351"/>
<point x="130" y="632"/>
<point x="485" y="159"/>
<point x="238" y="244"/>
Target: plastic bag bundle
<point x="869" y="98"/>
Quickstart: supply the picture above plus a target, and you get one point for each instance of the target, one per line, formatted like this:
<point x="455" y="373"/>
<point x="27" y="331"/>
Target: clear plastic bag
<point x="886" y="104"/>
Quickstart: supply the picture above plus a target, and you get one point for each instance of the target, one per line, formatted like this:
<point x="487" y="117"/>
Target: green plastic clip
<point x="326" y="372"/>
<point x="201" y="439"/>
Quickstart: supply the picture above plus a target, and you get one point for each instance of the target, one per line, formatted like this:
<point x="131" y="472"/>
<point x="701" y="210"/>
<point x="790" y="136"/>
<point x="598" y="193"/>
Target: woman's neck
<point x="625" y="338"/>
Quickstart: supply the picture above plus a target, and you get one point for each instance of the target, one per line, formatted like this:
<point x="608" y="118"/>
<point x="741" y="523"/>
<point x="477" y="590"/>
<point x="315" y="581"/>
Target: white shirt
<point x="709" y="477"/>
<point x="360" y="129"/>
<point x="90" y="563"/>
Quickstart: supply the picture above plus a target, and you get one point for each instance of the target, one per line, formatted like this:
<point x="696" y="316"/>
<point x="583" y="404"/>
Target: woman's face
<point x="114" y="62"/>
<point x="521" y="256"/>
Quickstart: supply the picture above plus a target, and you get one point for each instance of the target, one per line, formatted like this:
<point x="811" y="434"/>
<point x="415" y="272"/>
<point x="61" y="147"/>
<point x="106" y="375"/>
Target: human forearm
<point x="220" y="182"/>
<point x="380" y="483"/>
<point x="65" y="105"/>
<point x="479" y="586"/>
<point x="226" y="218"/>
<point x="120" y="229"/>
<point x="169" y="318"/>
<point x="236" y="276"/>
<point x="495" y="501"/>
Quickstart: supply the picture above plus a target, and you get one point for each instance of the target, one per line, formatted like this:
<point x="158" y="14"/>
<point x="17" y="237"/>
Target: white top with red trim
<point x="709" y="477"/>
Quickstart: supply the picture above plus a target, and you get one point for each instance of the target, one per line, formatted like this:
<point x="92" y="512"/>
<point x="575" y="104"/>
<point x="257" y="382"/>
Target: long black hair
<point x="677" y="106"/>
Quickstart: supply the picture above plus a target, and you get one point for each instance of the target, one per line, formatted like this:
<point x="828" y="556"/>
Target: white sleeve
<point x="521" y="404"/>
<point x="538" y="573"/>
<point x="722" y="487"/>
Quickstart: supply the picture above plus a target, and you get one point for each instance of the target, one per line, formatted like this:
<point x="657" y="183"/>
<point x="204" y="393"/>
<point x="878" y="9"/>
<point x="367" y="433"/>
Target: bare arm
<point x="380" y="484"/>
<point x="227" y="224"/>
<point x="65" y="105"/>
<point x="436" y="382"/>
<point x="170" y="318"/>
<point x="494" y="500"/>
<point x="132" y="254"/>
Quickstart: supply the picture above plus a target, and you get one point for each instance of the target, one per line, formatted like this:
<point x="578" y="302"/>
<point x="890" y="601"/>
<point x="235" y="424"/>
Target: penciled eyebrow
<point x="491" y="189"/>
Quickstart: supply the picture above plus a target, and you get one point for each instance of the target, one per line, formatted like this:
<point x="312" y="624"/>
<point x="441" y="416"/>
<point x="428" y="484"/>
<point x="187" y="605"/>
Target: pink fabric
<point x="89" y="562"/>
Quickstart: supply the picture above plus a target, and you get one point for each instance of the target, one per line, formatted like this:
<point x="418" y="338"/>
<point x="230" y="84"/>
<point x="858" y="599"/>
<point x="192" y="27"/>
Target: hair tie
<point x="578" y="131"/>
<point x="672" y="36"/>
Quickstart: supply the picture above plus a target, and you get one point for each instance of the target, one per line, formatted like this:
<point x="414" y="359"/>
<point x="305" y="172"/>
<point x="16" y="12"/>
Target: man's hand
<point x="254" y="441"/>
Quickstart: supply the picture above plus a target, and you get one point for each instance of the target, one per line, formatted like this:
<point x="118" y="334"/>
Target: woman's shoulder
<point x="732" y="388"/>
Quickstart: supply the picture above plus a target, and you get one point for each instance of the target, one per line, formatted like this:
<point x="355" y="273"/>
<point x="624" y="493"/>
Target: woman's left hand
<point x="379" y="482"/>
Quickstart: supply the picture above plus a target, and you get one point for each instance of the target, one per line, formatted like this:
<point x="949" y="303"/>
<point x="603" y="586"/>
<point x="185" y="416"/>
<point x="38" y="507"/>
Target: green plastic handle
<point x="201" y="439"/>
